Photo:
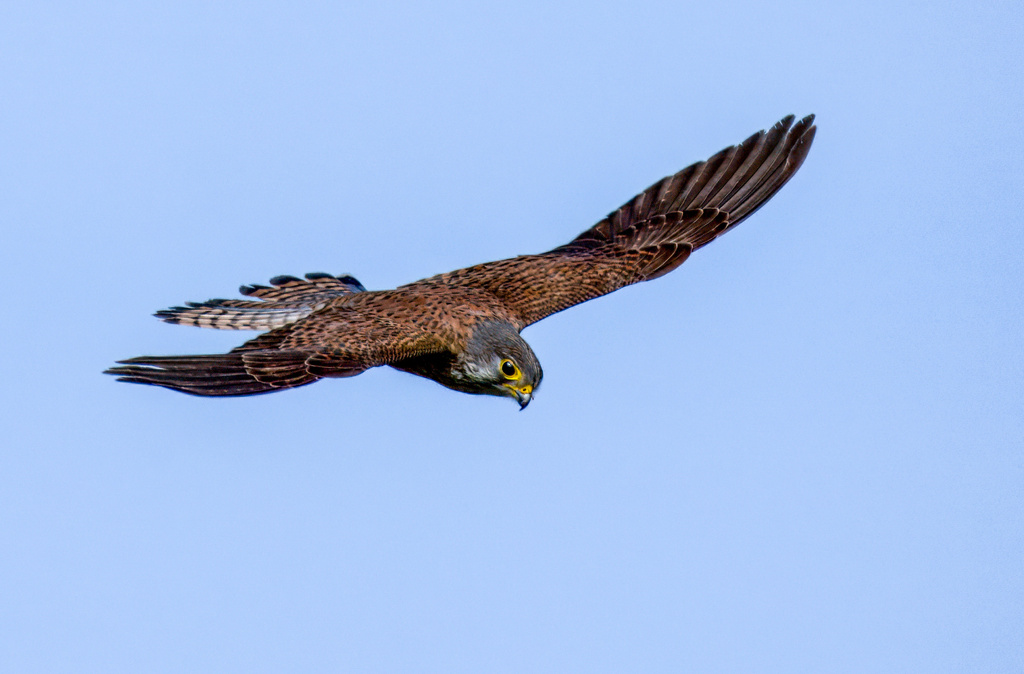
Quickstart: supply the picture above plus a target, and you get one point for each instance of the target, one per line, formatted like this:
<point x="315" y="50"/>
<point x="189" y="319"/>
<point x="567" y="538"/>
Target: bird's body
<point x="461" y="328"/>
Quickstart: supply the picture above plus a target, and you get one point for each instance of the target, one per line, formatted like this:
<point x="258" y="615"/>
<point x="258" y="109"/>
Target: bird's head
<point x="497" y="361"/>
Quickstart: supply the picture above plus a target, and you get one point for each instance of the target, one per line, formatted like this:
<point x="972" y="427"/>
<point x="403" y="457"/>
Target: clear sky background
<point x="802" y="451"/>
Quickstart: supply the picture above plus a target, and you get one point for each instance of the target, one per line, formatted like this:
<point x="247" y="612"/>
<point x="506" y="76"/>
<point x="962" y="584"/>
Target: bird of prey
<point x="461" y="329"/>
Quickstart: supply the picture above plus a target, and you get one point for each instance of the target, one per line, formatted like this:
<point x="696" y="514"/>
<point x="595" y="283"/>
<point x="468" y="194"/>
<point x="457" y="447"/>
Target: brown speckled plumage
<point x="458" y="328"/>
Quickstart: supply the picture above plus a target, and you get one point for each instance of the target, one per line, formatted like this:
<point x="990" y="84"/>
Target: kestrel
<point x="461" y="329"/>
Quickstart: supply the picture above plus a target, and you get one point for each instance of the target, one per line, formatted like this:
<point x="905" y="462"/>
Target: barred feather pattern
<point x="286" y="300"/>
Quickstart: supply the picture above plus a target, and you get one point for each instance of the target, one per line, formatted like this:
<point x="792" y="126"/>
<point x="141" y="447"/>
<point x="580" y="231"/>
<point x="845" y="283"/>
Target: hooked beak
<point x="523" y="395"/>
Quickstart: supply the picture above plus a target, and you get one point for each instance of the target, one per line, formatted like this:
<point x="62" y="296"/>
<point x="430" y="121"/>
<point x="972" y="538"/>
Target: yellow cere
<point x="525" y="389"/>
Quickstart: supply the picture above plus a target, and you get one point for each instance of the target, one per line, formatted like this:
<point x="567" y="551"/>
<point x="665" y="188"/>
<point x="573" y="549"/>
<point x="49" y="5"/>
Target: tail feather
<point x="214" y="375"/>
<point x="246" y="370"/>
<point x="260" y="365"/>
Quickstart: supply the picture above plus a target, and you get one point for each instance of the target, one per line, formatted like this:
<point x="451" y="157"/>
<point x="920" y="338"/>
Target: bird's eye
<point x="509" y="369"/>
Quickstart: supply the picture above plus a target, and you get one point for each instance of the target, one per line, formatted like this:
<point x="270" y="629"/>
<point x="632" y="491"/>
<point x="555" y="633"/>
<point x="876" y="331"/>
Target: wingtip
<point x="802" y="146"/>
<point x="801" y="127"/>
<point x="805" y="128"/>
<point x="248" y="290"/>
<point x="785" y="122"/>
<point x="169" y="315"/>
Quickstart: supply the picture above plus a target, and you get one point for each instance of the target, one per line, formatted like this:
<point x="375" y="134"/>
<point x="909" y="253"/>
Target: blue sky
<point x="802" y="451"/>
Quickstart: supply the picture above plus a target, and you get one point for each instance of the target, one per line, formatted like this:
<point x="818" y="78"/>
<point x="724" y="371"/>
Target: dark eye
<point x="509" y="369"/>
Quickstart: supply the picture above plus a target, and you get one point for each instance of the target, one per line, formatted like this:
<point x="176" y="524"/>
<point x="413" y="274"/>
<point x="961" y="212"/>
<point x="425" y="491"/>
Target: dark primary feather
<point x="654" y="232"/>
<point x="736" y="181"/>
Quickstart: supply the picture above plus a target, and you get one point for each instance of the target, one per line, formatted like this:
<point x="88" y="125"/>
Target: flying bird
<point x="461" y="329"/>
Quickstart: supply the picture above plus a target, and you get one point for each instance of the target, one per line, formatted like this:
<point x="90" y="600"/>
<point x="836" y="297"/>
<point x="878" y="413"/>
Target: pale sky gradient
<point x="802" y="451"/>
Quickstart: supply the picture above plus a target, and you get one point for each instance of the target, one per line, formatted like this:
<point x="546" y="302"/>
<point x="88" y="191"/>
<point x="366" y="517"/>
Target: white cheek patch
<point x="471" y="371"/>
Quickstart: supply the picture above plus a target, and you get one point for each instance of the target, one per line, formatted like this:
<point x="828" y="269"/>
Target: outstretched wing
<point x="654" y="232"/>
<point x="285" y="301"/>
